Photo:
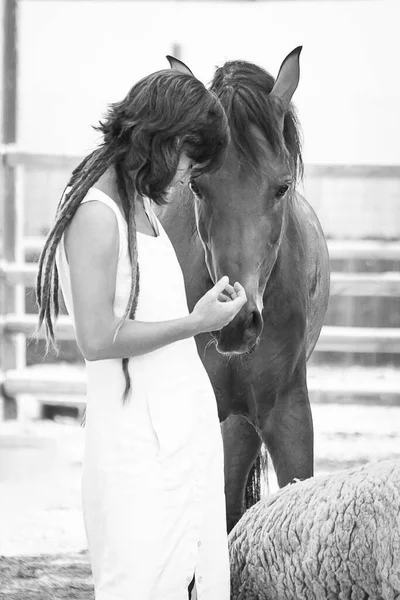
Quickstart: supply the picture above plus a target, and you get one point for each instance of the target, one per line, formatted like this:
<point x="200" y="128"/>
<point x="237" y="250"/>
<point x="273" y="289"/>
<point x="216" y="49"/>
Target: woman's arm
<point x="92" y="243"/>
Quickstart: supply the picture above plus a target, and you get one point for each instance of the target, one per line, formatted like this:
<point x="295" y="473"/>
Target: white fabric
<point x="153" y="486"/>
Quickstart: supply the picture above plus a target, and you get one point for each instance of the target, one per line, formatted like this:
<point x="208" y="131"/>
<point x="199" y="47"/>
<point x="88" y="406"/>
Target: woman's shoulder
<point x="93" y="227"/>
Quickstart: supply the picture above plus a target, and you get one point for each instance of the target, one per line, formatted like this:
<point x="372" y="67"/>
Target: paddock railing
<point x="16" y="275"/>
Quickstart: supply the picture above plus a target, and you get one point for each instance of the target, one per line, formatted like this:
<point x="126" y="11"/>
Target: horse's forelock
<point x="243" y="89"/>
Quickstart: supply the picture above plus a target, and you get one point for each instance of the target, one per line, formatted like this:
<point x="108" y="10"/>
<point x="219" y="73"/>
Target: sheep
<point x="325" y="538"/>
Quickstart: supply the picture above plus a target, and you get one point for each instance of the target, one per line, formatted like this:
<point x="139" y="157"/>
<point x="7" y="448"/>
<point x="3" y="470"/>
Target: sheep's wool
<point x="333" y="537"/>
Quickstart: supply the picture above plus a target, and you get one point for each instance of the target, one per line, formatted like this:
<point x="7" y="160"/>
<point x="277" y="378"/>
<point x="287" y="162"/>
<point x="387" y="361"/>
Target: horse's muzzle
<point x="241" y="335"/>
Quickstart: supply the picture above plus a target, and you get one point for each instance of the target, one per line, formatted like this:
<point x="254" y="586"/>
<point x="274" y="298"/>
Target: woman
<point x="153" y="489"/>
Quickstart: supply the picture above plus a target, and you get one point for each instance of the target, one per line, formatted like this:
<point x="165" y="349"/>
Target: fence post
<point x="10" y="218"/>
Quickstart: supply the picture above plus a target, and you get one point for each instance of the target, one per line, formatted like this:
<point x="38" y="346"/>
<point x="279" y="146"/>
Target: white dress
<point x="153" y="483"/>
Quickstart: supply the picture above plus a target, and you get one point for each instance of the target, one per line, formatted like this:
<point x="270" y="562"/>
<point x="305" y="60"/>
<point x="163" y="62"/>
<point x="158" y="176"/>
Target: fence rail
<point x="342" y="284"/>
<point x="332" y="338"/>
<point x="338" y="249"/>
<point x="13" y="156"/>
<point x="363" y="250"/>
<point x="55" y="384"/>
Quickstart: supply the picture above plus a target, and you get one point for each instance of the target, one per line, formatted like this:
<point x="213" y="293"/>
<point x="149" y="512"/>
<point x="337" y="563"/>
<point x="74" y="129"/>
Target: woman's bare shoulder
<point x="93" y="229"/>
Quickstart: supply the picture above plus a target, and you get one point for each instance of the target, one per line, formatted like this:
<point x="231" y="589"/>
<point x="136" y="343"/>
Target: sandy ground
<point x="46" y="577"/>
<point x="42" y="542"/>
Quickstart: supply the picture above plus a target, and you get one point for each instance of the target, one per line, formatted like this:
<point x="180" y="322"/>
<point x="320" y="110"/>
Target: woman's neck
<point x="107" y="183"/>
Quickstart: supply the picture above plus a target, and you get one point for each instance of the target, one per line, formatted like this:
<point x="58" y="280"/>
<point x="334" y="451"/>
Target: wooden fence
<point x="16" y="275"/>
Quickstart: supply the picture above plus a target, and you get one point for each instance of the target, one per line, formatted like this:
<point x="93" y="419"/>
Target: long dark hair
<point x="163" y="115"/>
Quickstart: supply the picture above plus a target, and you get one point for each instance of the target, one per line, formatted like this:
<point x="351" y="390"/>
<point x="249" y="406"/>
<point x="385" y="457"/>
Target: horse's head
<point x="241" y="210"/>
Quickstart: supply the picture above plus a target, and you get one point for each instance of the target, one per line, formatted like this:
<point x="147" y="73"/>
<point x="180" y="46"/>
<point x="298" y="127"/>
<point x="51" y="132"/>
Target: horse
<point x="248" y="221"/>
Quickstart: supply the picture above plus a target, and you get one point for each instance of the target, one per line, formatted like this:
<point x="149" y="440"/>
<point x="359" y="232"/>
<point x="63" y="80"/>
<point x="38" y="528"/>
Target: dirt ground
<point x="46" y="577"/>
<point x="42" y="542"/>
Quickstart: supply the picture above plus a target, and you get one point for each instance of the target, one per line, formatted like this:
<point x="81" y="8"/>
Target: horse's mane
<point x="243" y="89"/>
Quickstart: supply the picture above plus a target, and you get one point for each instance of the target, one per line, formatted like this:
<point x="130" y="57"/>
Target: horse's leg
<point x="288" y="434"/>
<point x="241" y="447"/>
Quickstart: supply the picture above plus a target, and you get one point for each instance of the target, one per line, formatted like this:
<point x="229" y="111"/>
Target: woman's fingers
<point x="220" y="286"/>
<point x="231" y="292"/>
<point x="223" y="298"/>
<point x="227" y="292"/>
<point x="230" y="289"/>
<point x="238" y="287"/>
<point x="241" y="297"/>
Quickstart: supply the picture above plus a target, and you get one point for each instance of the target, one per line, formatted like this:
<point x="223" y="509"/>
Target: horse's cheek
<point x="275" y="227"/>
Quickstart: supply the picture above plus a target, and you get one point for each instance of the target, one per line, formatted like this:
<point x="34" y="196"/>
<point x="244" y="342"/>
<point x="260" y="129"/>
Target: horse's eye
<point x="282" y="191"/>
<point x="195" y="188"/>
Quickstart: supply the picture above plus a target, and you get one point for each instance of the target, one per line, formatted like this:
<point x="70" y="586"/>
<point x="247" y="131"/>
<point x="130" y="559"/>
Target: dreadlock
<point x="163" y="115"/>
<point x="82" y="179"/>
<point x="128" y="206"/>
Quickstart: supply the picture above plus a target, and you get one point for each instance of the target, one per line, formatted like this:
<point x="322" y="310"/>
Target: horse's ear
<point x="288" y="78"/>
<point x="178" y="65"/>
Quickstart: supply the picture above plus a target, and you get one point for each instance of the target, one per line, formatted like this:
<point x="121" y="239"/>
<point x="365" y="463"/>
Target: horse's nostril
<point x="254" y="321"/>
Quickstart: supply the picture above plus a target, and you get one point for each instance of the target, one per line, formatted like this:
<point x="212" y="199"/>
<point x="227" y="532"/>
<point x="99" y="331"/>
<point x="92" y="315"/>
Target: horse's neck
<point x="303" y="223"/>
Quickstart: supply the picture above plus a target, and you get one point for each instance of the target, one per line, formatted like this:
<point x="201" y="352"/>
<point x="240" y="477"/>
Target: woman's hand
<point x="219" y="305"/>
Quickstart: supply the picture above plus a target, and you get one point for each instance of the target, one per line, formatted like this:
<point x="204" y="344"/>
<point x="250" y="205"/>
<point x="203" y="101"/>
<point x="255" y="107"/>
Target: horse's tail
<point x="257" y="481"/>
